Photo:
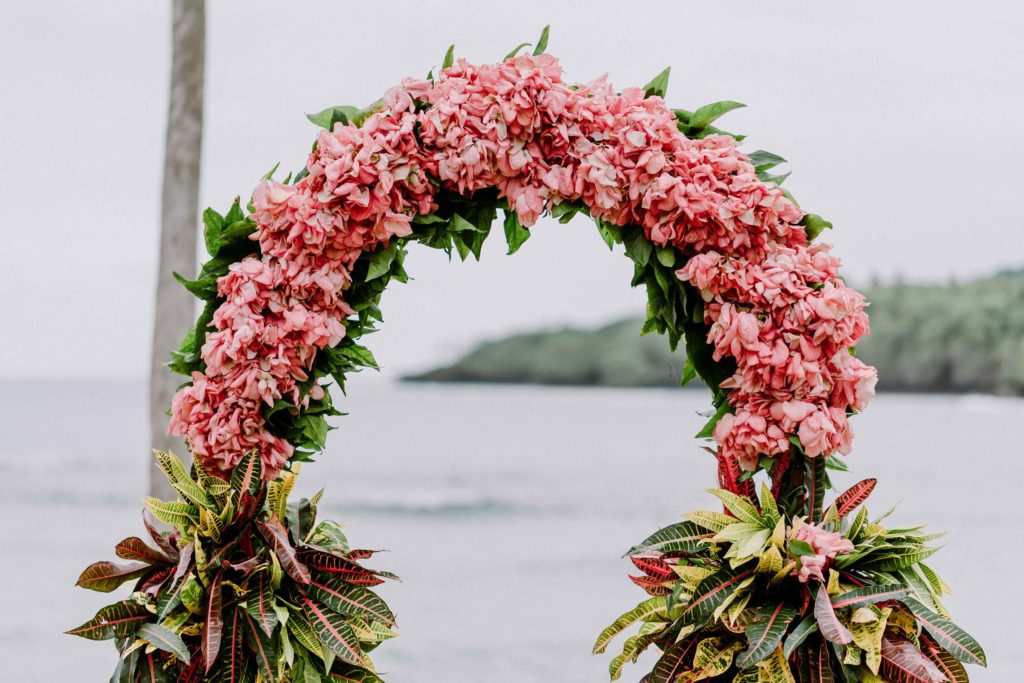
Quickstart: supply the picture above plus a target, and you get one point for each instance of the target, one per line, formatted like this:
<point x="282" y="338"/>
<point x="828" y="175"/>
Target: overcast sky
<point x="901" y="120"/>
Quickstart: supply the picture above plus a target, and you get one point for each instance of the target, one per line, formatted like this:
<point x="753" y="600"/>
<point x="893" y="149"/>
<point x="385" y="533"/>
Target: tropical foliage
<point x="775" y="589"/>
<point x="247" y="586"/>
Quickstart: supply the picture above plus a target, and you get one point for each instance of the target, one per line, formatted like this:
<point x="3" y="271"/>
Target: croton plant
<point x="776" y="587"/>
<point x="246" y="586"/>
<point x="779" y="588"/>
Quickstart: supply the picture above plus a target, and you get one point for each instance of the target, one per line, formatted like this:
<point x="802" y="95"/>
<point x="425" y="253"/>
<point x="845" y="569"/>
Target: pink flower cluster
<point x="826" y="545"/>
<point x="775" y="305"/>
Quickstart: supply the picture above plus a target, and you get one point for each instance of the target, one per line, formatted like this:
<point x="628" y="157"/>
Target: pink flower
<point x="826" y="545"/>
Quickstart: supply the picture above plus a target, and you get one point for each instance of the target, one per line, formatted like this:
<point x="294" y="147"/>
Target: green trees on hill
<point x="957" y="338"/>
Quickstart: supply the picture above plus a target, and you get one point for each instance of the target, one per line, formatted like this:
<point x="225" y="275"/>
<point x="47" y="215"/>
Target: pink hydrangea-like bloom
<point x="826" y="545"/>
<point x="774" y="305"/>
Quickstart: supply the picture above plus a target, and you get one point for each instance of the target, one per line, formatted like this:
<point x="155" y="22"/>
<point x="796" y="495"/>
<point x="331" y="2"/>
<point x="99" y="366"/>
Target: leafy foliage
<point x="246" y="586"/>
<point x="731" y="603"/>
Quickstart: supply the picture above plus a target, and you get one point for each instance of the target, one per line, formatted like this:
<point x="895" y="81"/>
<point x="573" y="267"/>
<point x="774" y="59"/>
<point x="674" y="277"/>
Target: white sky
<point x="901" y="120"/>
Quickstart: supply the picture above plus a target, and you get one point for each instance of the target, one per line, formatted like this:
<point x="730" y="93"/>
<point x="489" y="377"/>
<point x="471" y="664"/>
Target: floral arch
<point x="779" y="586"/>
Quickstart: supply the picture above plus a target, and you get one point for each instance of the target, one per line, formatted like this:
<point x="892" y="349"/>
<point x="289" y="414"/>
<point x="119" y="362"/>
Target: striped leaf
<point x="234" y="662"/>
<point x="135" y="549"/>
<point x="164" y="639"/>
<point x="653" y="608"/>
<point x="345" y="570"/>
<point x="712" y="658"/>
<point x="712" y="521"/>
<point x="831" y="628"/>
<point x="775" y="669"/>
<point x="180" y="479"/>
<point x="815" y="483"/>
<point x="349" y="600"/>
<point x="248" y="474"/>
<point x="105" y="576"/>
<point x="892" y="561"/>
<point x="119" y="620"/>
<point x="302" y="630"/>
<point x="672" y="662"/>
<point x="334" y="632"/>
<point x="678" y="537"/>
<point x="765" y="632"/>
<point x="950" y="667"/>
<point x="343" y="673"/>
<point x="801" y="633"/>
<point x="149" y="669"/>
<point x="213" y="622"/>
<point x="261" y="603"/>
<point x="712" y="592"/>
<point x="162" y="542"/>
<point x="176" y="513"/>
<point x="277" y="538"/>
<point x="739" y="506"/>
<point x="263" y="648"/>
<point x="869" y="595"/>
<point x="854" y="496"/>
<point x="815" y="663"/>
<point x="948" y="635"/>
<point x="904" y="663"/>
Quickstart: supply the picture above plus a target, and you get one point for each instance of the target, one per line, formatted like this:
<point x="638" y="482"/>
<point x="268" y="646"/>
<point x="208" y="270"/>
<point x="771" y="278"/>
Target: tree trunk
<point x="175" y="307"/>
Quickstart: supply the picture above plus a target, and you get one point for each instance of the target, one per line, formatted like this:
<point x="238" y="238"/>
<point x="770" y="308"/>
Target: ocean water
<point x="505" y="510"/>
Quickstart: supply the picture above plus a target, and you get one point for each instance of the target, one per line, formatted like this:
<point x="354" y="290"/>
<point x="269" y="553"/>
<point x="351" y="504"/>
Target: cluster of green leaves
<point x="726" y="602"/>
<point x="248" y="587"/>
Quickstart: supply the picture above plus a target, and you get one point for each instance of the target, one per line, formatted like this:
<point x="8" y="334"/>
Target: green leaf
<point x="709" y="113"/>
<point x="765" y="632"/>
<point x="666" y="256"/>
<point x="763" y="160"/>
<point x="658" y="85"/>
<point x="797" y="637"/>
<point x="177" y="513"/>
<point x="689" y="373"/>
<point x="343" y="673"/>
<point x="104" y="576"/>
<point x="515" y="234"/>
<point x="204" y="288"/>
<point x="799" y="548"/>
<point x="648" y="610"/>
<point x="542" y="42"/>
<point x="678" y="537"/>
<point x="264" y="649"/>
<point x="951" y="637"/>
<point x="514" y="51"/>
<point x="349" y="600"/>
<point x="813" y="225"/>
<point x="708" y="430"/>
<point x="815" y="482"/>
<point x="164" y="639"/>
<point x="381" y="260"/>
<point x="332" y="115"/>
<point x="119" y="620"/>
<point x="449" y="57"/>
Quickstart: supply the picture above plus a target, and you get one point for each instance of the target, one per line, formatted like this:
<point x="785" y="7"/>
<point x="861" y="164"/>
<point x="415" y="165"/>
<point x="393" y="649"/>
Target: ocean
<point x="506" y="511"/>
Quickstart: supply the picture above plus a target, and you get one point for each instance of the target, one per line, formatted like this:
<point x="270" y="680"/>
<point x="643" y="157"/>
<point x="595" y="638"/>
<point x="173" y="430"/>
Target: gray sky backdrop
<point x="901" y="120"/>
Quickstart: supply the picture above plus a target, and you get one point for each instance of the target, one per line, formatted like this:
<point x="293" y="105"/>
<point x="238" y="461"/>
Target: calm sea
<point x="505" y="510"/>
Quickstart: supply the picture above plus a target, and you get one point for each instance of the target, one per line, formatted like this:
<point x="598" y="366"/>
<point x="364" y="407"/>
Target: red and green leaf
<point x="815" y="663"/>
<point x="854" y="496"/>
<point x="869" y="595"/>
<point x="261" y="605"/>
<point x="904" y="663"/>
<point x="765" y="632"/>
<point x="344" y="673"/>
<point x="340" y="567"/>
<point x="213" y="622"/>
<point x="949" y="665"/>
<point x="654" y="567"/>
<point x="948" y="635"/>
<point x="334" y="632"/>
<point x="104" y="576"/>
<point x="119" y="620"/>
<point x="712" y="592"/>
<point x="347" y="599"/>
<point x="234" y="662"/>
<point x="134" y="548"/>
<point x="248" y="474"/>
<point x="263" y="647"/>
<point x="678" y="537"/>
<point x="277" y="538"/>
<point x="815" y="479"/>
<point x="828" y="622"/>
<point x="164" y="543"/>
<point x="730" y="477"/>
<point x="672" y="662"/>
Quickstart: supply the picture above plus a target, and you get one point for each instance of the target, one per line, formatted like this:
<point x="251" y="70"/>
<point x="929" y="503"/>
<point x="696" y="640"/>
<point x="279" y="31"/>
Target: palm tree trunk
<point x="175" y="307"/>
